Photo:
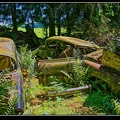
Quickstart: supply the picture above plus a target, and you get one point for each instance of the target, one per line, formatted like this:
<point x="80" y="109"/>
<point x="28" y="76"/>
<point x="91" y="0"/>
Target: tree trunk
<point x="51" y="19"/>
<point x="72" y="18"/>
<point x="68" y="25"/>
<point x="13" y="11"/>
<point x="46" y="32"/>
<point x="58" y="22"/>
<point x="33" y="25"/>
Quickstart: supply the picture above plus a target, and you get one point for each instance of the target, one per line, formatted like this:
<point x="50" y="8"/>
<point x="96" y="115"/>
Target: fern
<point x="6" y="103"/>
<point x="27" y="59"/>
<point x="79" y="74"/>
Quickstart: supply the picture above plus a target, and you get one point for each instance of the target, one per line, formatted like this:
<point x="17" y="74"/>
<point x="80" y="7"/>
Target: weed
<point x="28" y="60"/>
<point x="78" y="75"/>
<point x="112" y="46"/>
<point x="116" y="104"/>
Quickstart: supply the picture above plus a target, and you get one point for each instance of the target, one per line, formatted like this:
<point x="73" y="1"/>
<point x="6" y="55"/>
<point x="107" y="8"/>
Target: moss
<point x="111" y="60"/>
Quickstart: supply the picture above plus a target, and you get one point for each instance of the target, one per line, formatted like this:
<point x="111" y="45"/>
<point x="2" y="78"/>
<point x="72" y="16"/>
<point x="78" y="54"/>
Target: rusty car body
<point x="108" y="70"/>
<point x="66" y="56"/>
<point x="105" y="64"/>
<point x="9" y="59"/>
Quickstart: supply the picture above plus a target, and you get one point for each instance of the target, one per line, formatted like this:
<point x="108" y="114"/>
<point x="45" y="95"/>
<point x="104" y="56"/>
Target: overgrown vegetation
<point x="28" y="60"/>
<point x="94" y="22"/>
<point x="100" y="101"/>
<point x="8" y="98"/>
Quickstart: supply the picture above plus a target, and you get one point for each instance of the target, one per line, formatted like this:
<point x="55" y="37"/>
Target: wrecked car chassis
<point x="53" y="66"/>
<point x="104" y="63"/>
<point x="9" y="58"/>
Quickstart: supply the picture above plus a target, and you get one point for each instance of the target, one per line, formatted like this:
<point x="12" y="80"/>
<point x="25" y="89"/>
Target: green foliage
<point x="116" y="104"/>
<point x="27" y="59"/>
<point x="7" y="104"/>
<point x="101" y="98"/>
<point x="56" y="109"/>
<point x="40" y="31"/>
<point x="99" y="23"/>
<point x="101" y="102"/>
<point x="98" y="85"/>
<point x="96" y="14"/>
<point x="78" y="76"/>
<point x="112" y="46"/>
<point x="28" y="62"/>
<point x="55" y="84"/>
<point x="51" y="108"/>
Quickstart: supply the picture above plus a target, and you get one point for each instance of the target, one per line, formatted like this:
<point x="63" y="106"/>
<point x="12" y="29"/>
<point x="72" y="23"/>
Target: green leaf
<point x="112" y="12"/>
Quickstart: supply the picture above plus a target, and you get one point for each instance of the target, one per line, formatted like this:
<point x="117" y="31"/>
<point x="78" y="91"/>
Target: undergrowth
<point x="7" y="103"/>
<point x="99" y="101"/>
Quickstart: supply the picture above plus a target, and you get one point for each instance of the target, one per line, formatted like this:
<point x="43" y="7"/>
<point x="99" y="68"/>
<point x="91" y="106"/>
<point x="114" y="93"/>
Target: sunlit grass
<point x="40" y="32"/>
<point x="22" y="29"/>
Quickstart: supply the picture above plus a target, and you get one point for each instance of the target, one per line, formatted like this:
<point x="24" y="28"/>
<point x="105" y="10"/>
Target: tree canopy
<point x="89" y="21"/>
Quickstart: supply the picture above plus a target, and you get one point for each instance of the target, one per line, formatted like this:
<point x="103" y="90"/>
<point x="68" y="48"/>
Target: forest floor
<point x="81" y="103"/>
